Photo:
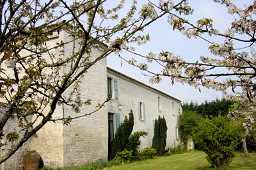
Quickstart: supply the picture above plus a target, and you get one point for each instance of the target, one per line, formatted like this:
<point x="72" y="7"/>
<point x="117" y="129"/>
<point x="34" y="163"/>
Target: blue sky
<point x="163" y="38"/>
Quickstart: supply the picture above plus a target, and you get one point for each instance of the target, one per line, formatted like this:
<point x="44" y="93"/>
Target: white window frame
<point x="141" y="111"/>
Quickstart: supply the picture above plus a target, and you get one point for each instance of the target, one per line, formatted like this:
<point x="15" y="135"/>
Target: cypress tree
<point x="121" y="136"/>
<point x="160" y="134"/>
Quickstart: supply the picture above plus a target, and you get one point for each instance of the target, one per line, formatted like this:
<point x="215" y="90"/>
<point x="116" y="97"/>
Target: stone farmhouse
<point x="85" y="140"/>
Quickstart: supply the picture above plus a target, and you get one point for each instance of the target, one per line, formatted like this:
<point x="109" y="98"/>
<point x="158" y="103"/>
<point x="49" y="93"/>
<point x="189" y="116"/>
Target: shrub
<point x="121" y="136"/>
<point x="218" y="138"/>
<point x="123" y="156"/>
<point x="178" y="149"/>
<point x="134" y="141"/>
<point x="160" y="134"/>
<point x="148" y="153"/>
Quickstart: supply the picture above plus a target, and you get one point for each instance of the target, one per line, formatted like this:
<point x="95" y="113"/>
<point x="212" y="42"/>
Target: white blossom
<point x="150" y="56"/>
<point x="148" y="11"/>
<point x="232" y="9"/>
<point x="132" y="61"/>
<point x="155" y="79"/>
<point x="191" y="33"/>
<point x="229" y="32"/>
<point x="143" y="66"/>
<point x="167" y="5"/>
<point x="142" y="39"/>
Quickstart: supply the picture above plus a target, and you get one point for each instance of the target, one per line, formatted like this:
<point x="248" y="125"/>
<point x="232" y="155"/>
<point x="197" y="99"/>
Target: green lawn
<point x="189" y="160"/>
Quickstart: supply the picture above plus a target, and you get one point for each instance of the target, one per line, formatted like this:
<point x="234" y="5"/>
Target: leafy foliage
<point x="134" y="141"/>
<point x="125" y="155"/>
<point x="188" y="124"/>
<point x="122" y="134"/>
<point x="160" y="134"/>
<point x="218" y="138"/>
<point x="177" y="149"/>
<point x="148" y="153"/>
<point x="212" y="108"/>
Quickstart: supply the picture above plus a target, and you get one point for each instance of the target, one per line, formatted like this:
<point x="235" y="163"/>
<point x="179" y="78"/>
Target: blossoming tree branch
<point x="231" y="68"/>
<point x="239" y="61"/>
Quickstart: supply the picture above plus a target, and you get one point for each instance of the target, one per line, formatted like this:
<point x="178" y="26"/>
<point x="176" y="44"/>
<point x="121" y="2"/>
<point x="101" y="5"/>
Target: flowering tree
<point x="31" y="82"/>
<point x="232" y="66"/>
<point x="244" y="113"/>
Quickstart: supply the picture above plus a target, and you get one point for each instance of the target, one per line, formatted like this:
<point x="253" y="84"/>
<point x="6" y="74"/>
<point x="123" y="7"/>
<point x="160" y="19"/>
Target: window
<point x="117" y="115"/>
<point x="110" y="92"/>
<point x="112" y="88"/>
<point x="110" y="127"/>
<point x="141" y="111"/>
<point x="177" y="133"/>
<point x="173" y="113"/>
<point x="111" y="133"/>
<point x="159" y="104"/>
<point x="116" y="88"/>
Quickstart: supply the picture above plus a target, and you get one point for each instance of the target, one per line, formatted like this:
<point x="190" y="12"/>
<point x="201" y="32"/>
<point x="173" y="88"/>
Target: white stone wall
<point x="130" y="93"/>
<point x="85" y="139"/>
<point x="48" y="143"/>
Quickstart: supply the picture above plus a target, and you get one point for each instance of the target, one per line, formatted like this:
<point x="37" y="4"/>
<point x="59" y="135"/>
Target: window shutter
<point x="139" y="111"/>
<point x="116" y="88"/>
<point x="117" y="115"/>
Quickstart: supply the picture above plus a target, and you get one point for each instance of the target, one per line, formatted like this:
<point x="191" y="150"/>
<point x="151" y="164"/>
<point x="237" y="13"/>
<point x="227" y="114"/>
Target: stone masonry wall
<point x="85" y="139"/>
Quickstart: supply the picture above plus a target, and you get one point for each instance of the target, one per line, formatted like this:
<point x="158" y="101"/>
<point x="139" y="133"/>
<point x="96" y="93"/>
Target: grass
<point x="187" y="161"/>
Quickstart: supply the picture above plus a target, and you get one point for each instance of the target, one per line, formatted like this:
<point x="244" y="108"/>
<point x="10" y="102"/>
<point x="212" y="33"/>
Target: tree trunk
<point x="246" y="153"/>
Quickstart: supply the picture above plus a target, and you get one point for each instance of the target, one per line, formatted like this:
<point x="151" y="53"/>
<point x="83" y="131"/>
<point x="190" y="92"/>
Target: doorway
<point x="110" y="130"/>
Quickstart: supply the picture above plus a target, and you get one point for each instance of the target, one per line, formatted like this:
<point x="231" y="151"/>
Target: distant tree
<point x="190" y="107"/>
<point x="160" y="134"/>
<point x="188" y="124"/>
<point x="122" y="135"/>
<point x="212" y="108"/>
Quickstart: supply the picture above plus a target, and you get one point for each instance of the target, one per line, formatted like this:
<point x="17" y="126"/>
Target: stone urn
<point x="32" y="161"/>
